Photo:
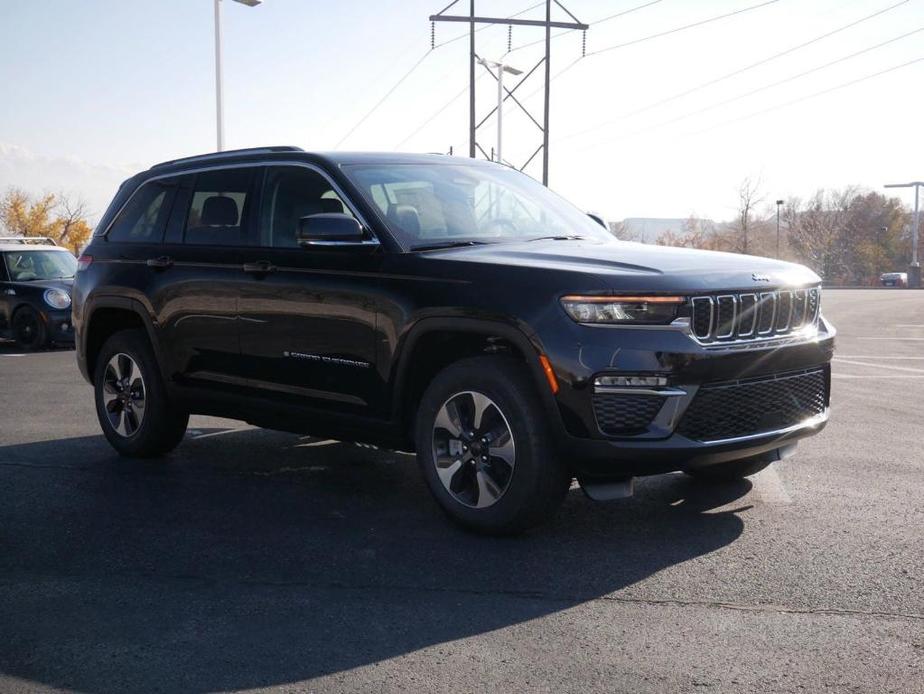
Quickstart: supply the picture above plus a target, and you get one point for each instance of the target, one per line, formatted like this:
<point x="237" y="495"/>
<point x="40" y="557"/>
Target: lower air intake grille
<point x="742" y="408"/>
<point x="624" y="415"/>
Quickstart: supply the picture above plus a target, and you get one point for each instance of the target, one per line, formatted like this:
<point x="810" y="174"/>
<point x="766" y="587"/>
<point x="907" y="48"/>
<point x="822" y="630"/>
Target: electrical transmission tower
<point x="472" y="19"/>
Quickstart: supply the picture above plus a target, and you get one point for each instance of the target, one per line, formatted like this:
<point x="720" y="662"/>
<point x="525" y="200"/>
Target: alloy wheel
<point x="26" y="329"/>
<point x="473" y="449"/>
<point x="124" y="394"/>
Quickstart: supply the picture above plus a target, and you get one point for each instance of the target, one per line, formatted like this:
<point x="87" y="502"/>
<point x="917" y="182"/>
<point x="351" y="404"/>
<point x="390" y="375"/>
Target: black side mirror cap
<point x="328" y="228"/>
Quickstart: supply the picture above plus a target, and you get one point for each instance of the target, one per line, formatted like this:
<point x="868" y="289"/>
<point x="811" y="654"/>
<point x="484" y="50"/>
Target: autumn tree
<point x="60" y="217"/>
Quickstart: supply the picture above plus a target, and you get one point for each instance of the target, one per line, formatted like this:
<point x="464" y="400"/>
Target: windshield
<point x="26" y="266"/>
<point x="436" y="204"/>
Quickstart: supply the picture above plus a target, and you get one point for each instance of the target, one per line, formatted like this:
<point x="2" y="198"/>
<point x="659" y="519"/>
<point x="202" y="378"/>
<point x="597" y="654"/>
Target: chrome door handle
<point x="259" y="268"/>
<point x="163" y="261"/>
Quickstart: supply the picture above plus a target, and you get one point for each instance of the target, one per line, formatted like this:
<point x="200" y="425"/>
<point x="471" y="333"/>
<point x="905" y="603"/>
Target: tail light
<point x="83" y="262"/>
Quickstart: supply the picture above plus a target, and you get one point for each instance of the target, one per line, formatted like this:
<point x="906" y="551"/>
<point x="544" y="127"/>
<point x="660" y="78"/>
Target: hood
<point x="65" y="284"/>
<point x="622" y="265"/>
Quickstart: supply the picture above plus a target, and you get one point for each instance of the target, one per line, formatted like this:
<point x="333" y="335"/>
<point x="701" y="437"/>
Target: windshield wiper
<point x="447" y="244"/>
<point x="559" y="237"/>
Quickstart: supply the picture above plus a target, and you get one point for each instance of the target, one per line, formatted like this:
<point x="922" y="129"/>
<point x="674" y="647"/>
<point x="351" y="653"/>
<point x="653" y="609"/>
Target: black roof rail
<point x="229" y="153"/>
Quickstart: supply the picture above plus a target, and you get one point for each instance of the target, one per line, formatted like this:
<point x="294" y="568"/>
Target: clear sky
<point x="92" y="91"/>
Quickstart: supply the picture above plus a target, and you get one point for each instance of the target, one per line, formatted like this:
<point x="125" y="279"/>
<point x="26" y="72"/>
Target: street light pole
<point x="501" y="69"/>
<point x="219" y="108"/>
<point x="778" y="205"/>
<point x="914" y="273"/>
<point x="219" y="114"/>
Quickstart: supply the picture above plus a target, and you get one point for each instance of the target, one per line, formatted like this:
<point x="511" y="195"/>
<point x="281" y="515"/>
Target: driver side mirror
<point x="328" y="228"/>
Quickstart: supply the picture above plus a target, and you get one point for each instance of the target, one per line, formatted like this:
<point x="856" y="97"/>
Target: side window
<point x="218" y="208"/>
<point x="290" y="193"/>
<point x="142" y="219"/>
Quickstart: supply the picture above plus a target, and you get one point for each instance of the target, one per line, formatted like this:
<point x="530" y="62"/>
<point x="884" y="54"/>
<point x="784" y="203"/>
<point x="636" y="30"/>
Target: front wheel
<point x="29" y="330"/>
<point x="484" y="449"/>
<point x="131" y="401"/>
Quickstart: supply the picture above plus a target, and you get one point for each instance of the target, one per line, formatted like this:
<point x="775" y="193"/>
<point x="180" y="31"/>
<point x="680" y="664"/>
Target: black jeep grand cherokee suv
<point x="443" y="305"/>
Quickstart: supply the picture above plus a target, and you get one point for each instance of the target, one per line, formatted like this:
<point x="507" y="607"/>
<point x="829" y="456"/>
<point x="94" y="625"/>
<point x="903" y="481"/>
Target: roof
<point x="4" y="247"/>
<point x="290" y="152"/>
<point x="21" y="243"/>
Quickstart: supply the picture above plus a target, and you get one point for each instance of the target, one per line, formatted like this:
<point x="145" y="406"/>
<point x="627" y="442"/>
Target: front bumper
<point x="687" y="366"/>
<point x="59" y="325"/>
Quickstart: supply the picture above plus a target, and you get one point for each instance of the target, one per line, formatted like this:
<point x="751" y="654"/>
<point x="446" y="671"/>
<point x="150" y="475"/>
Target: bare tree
<point x="72" y="214"/>
<point x="622" y="231"/>
<point x="749" y="197"/>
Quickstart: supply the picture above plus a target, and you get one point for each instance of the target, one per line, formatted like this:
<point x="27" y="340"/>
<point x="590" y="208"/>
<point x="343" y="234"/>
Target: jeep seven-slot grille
<point x="741" y="316"/>
<point x="742" y="408"/>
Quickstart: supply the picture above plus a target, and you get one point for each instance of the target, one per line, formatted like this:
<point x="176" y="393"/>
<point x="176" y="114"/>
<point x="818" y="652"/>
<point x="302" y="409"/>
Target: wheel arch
<point x="434" y="343"/>
<point x="108" y="315"/>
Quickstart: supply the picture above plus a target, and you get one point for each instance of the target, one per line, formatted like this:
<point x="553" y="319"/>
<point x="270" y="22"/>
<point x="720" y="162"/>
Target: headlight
<point x="622" y="309"/>
<point x="57" y="298"/>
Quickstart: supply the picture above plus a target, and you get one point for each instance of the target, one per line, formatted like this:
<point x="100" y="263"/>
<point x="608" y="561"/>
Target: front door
<point x="307" y="319"/>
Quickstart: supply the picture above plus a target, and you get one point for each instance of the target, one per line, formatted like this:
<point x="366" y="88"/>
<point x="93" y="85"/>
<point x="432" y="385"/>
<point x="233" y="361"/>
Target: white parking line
<point x="876" y="356"/>
<point x="879" y="377"/>
<point x="769" y="487"/>
<point x="840" y="360"/>
<point x="890" y="338"/>
<point x="222" y="432"/>
<point x="313" y="444"/>
<point x="910" y="325"/>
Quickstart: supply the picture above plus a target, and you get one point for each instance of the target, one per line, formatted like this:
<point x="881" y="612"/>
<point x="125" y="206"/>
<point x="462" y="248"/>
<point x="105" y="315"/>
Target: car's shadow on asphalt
<point x="254" y="558"/>
<point x="8" y="347"/>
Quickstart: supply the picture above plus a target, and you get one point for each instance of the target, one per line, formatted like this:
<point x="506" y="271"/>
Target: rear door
<point x="308" y="315"/>
<point x="7" y="296"/>
<point x="200" y="277"/>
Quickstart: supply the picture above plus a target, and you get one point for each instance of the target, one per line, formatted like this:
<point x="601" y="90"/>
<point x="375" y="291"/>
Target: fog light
<point x="631" y="381"/>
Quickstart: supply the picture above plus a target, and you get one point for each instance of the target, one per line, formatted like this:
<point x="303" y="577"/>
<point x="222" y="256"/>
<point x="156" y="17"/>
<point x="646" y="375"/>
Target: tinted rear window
<point x="142" y="219"/>
<point x="218" y="208"/>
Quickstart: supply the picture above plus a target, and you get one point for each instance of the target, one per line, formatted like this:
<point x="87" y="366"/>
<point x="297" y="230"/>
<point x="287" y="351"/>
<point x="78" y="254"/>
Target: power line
<point x="488" y="26"/>
<point x="682" y="28"/>
<point x="594" y="23"/>
<point x="734" y="73"/>
<point x="397" y="84"/>
<point x="660" y="35"/>
<point x="777" y="83"/>
<point x="811" y="96"/>
<point x="382" y="100"/>
<point x="437" y="113"/>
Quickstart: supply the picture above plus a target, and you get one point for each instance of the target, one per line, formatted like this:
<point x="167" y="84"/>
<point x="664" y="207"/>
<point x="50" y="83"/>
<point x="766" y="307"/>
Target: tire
<point x="29" y="329"/>
<point x="508" y="476"/>
<point x="131" y="401"/>
<point x="730" y="472"/>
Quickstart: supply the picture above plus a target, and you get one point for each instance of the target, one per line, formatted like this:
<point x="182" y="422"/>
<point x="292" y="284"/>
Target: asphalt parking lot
<point x="251" y="559"/>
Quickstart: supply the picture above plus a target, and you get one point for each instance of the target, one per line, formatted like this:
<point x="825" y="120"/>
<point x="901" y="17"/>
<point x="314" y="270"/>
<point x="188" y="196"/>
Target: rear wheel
<point x="131" y="401"/>
<point x="484" y="449"/>
<point x="29" y="329"/>
<point x="729" y="472"/>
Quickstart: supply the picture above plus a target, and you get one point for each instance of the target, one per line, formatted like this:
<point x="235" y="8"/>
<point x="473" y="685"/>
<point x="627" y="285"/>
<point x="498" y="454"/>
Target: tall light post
<point x="914" y="272"/>
<point x="219" y="110"/>
<point x="881" y="230"/>
<point x="779" y="203"/>
<point x="501" y="69"/>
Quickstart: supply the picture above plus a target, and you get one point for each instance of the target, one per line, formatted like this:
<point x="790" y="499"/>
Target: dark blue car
<point x="36" y="277"/>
